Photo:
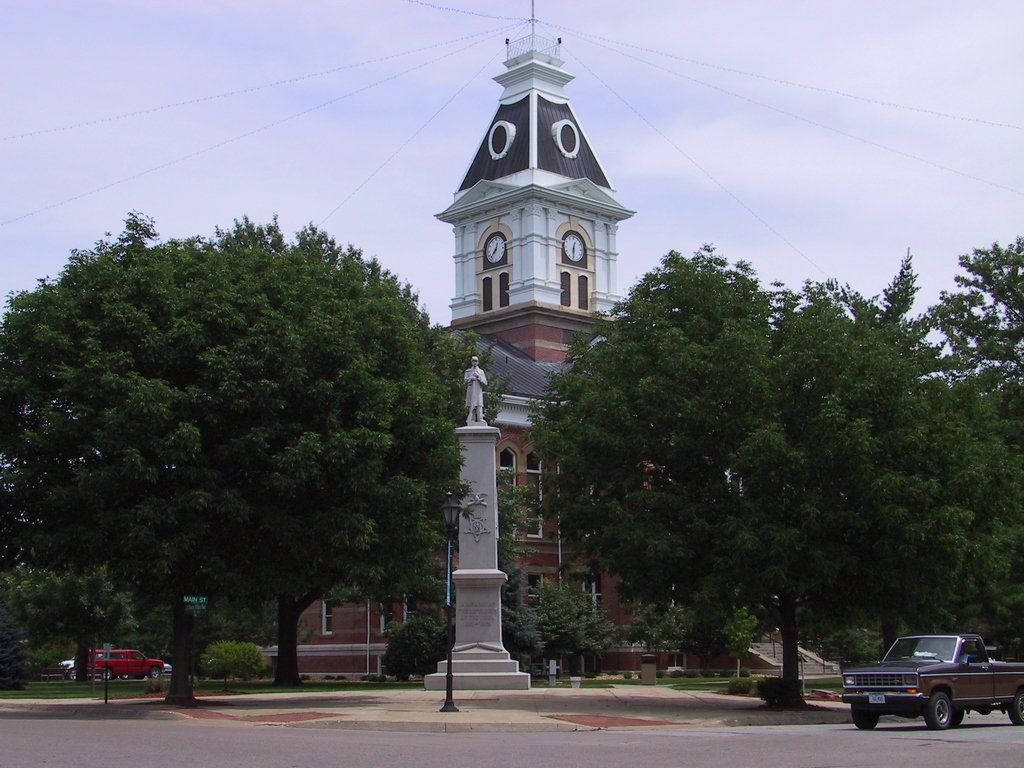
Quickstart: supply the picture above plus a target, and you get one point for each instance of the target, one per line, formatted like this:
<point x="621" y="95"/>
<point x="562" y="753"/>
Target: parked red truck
<point x="123" y="662"/>
<point x="940" y="677"/>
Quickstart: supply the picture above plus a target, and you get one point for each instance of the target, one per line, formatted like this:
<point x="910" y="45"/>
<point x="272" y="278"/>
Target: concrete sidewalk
<point x="539" y="709"/>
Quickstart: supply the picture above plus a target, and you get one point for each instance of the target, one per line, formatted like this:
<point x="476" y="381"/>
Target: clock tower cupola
<point x="535" y="217"/>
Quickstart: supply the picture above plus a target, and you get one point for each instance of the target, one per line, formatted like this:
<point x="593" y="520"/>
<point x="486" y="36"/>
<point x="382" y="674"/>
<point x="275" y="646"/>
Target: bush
<point x="627" y="675"/>
<point x="374" y="678"/>
<point x="155" y="685"/>
<point x="660" y="673"/>
<point x="744" y="672"/>
<point x="676" y="673"/>
<point x="740" y="686"/>
<point x="691" y="673"/>
<point x="415" y="646"/>
<point x="778" y="692"/>
<point x="707" y="673"/>
<point x="226" y="659"/>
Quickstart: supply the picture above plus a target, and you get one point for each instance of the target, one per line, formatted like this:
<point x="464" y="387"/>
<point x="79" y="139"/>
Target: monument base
<point x="479" y="668"/>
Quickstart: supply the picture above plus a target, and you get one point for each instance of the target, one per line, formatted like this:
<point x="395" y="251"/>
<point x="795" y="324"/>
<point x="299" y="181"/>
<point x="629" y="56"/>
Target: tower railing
<point x="533" y="42"/>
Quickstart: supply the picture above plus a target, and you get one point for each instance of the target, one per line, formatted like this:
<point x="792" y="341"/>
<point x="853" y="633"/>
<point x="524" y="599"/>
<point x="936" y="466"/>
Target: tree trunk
<point x="182" y="643"/>
<point x="288" y="611"/>
<point x="786" y="608"/>
<point x="890" y="631"/>
<point x="83" y="661"/>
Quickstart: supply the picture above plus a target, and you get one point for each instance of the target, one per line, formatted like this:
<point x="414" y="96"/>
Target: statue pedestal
<point x="479" y="660"/>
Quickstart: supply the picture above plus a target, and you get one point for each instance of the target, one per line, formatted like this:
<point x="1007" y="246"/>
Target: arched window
<point x="507" y="460"/>
<point x="488" y="298"/>
<point x="584" y="292"/>
<point x="503" y="289"/>
<point x="566" y="289"/>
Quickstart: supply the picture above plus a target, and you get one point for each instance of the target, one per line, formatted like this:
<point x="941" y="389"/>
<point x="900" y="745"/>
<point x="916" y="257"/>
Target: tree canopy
<point x="783" y="448"/>
<point x="235" y="415"/>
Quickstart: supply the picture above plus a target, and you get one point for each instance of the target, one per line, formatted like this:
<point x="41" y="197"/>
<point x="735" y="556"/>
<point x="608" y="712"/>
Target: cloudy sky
<point x="812" y="139"/>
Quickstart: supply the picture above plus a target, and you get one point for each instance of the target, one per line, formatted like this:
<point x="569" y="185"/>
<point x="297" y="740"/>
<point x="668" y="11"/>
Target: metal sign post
<point x="106" y="671"/>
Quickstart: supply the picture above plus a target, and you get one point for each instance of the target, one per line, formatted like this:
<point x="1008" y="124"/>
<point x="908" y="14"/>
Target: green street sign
<point x="195" y="604"/>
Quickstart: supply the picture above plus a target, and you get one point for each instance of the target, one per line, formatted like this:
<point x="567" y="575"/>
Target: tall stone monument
<point x="479" y="660"/>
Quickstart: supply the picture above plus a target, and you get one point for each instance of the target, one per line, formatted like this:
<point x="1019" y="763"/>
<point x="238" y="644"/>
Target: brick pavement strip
<point x="539" y="709"/>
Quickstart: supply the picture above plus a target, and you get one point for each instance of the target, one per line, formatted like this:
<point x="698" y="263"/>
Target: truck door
<point x="974" y="678"/>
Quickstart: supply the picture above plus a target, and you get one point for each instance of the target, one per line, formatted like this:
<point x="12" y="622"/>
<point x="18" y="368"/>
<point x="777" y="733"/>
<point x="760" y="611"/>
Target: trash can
<point x="648" y="669"/>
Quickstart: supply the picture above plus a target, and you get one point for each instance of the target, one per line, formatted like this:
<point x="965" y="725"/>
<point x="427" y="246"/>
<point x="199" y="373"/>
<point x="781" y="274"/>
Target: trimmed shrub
<point x="415" y="647"/>
<point x="676" y="673"/>
<point x="691" y="673"/>
<point x="707" y="673"/>
<point x="740" y="686"/>
<point x="744" y="672"/>
<point x="627" y="675"/>
<point x="660" y="673"/>
<point x="778" y="692"/>
<point x="225" y="659"/>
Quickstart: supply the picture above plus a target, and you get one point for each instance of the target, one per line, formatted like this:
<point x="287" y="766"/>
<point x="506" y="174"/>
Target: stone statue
<point x="475" y="380"/>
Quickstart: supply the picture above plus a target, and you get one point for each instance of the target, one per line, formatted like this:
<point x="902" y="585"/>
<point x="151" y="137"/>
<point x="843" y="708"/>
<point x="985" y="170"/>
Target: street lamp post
<point x="451" y="510"/>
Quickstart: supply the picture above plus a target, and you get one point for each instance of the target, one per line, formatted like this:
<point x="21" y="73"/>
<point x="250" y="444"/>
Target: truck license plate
<point x="876" y="698"/>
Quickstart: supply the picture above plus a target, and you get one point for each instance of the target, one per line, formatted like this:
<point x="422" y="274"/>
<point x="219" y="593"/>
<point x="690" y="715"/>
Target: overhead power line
<point x="251" y="89"/>
<point x="832" y="91"/>
<point x="451" y="9"/>
<point x="701" y="168"/>
<point x="406" y="143"/>
<point x="233" y="139"/>
<point x="816" y="124"/>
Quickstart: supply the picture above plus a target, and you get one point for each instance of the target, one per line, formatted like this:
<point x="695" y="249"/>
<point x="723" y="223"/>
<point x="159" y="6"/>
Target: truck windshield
<point x="922" y="648"/>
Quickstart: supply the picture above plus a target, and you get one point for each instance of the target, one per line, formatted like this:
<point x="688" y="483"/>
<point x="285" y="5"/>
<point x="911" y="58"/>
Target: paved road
<point x="32" y="740"/>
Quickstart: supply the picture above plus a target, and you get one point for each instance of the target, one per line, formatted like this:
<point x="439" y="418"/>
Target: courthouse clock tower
<point x="535" y="217"/>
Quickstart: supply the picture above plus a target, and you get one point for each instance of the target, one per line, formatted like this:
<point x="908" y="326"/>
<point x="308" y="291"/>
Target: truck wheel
<point x="1017" y="708"/>
<point x="155" y="671"/>
<point x="938" y="712"/>
<point x="108" y="673"/>
<point x="958" y="718"/>
<point x="864" y="719"/>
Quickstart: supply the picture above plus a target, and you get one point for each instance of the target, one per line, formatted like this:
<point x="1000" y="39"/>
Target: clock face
<point x="573" y="247"/>
<point x="494" y="248"/>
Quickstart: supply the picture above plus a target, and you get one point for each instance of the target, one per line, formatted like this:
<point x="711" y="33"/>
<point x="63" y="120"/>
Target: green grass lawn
<point x="67" y="689"/>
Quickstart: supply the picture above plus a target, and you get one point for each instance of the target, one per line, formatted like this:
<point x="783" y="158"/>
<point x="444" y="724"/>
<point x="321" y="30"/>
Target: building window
<point x="533" y="478"/>
<point x="326" y="617"/>
<point x="533" y="582"/>
<point x="507" y="460"/>
<point x="503" y="289"/>
<point x="584" y="292"/>
<point x="408" y="607"/>
<point x="592" y="589"/>
<point x="488" y="298"/>
<point x="566" y="289"/>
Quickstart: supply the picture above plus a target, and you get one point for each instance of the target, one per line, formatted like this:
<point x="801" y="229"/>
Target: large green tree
<point x="982" y="322"/>
<point x="780" y="448"/>
<point x="570" y="625"/>
<point x="82" y="609"/>
<point x="235" y="415"/>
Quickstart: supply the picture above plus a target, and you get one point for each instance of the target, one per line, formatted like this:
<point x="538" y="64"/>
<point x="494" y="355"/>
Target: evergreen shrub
<point x="14" y="658"/>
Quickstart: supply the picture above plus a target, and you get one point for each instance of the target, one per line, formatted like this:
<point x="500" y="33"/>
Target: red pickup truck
<point x="126" y="662"/>
<point x="941" y="677"/>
